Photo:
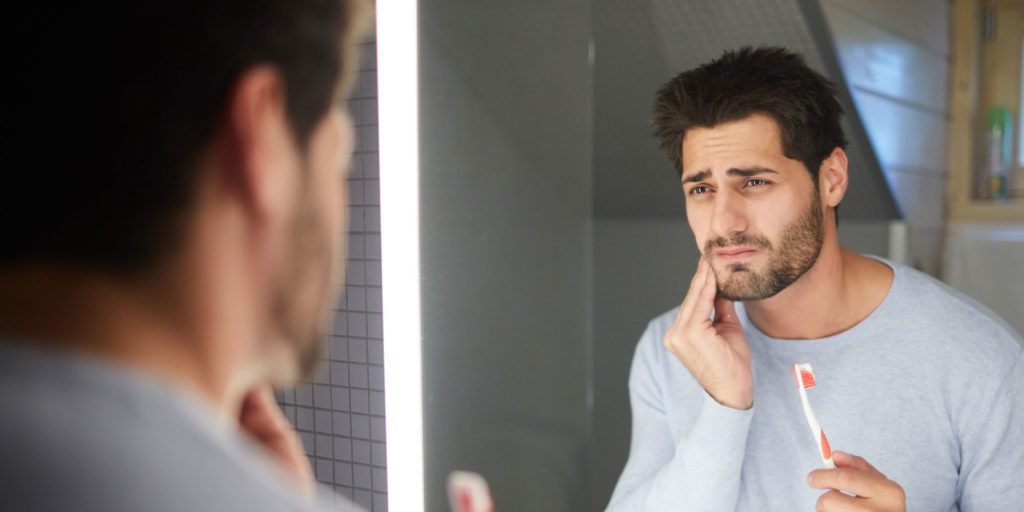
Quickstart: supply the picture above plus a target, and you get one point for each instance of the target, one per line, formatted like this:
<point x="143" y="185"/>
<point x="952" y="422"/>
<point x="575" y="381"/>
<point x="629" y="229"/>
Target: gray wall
<point x="505" y="180"/>
<point x="340" y="415"/>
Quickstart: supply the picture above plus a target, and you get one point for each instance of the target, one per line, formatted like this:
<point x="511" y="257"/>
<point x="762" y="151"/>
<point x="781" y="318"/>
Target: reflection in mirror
<point x="552" y="227"/>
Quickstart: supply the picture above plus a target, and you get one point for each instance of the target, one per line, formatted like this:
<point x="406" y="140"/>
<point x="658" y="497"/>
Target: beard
<point x="799" y="247"/>
<point x="302" y="292"/>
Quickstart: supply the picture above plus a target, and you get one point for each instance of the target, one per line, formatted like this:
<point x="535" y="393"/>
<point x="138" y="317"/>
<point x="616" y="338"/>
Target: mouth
<point x="736" y="253"/>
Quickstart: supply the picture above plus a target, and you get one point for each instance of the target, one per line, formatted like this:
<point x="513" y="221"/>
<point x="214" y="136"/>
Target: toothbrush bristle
<point x="807" y="378"/>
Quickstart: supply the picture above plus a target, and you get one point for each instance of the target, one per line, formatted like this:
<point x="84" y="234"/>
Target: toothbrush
<point x="804" y="381"/>
<point x="468" y="492"/>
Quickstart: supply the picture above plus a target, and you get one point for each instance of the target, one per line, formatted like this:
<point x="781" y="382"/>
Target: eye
<point x="699" y="190"/>
<point x="756" y="182"/>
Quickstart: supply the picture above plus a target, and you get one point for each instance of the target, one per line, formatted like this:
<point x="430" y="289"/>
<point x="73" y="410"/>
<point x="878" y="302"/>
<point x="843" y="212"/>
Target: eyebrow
<point x="744" y="173"/>
<point x="700" y="176"/>
<point x="752" y="171"/>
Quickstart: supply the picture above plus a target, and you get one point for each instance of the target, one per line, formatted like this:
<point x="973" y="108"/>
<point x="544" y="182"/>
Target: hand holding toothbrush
<point x="866" y="488"/>
<point x="871" y="490"/>
<point x="262" y="419"/>
<point x="714" y="350"/>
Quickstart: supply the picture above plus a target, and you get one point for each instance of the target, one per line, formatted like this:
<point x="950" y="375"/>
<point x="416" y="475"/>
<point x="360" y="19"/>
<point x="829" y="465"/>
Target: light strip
<point x="400" y="248"/>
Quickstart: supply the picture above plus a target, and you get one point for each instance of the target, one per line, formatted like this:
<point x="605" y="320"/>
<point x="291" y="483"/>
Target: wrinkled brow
<point x="743" y="173"/>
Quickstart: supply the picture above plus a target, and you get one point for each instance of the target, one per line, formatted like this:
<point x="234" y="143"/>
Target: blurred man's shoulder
<point x="88" y="435"/>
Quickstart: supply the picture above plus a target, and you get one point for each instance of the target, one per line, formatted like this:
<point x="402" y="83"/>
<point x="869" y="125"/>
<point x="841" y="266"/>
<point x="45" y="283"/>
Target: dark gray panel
<point x="505" y="237"/>
<point x="642" y="268"/>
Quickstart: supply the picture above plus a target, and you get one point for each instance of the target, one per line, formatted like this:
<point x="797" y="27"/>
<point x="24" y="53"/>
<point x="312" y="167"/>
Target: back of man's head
<point x="114" y="104"/>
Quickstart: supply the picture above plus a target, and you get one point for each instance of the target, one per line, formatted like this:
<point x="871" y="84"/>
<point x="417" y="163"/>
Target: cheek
<point x="331" y="159"/>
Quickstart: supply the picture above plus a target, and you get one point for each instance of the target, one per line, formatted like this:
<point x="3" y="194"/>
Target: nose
<point x="728" y="215"/>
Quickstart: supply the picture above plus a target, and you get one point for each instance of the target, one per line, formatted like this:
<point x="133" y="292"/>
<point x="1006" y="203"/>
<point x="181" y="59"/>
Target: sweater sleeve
<point x="700" y="470"/>
<point x="992" y="444"/>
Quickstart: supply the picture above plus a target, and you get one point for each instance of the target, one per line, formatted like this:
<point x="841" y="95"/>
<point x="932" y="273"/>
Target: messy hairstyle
<point x="765" y="80"/>
<point x="113" y="105"/>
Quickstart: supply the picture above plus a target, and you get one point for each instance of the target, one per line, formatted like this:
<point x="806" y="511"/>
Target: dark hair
<point x="767" y="80"/>
<point x="114" y="104"/>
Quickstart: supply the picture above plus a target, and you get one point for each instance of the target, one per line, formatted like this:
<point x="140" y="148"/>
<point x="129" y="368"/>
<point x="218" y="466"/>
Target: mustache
<point x="736" y="239"/>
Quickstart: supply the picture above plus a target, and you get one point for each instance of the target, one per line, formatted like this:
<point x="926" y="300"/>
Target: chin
<point x="742" y="284"/>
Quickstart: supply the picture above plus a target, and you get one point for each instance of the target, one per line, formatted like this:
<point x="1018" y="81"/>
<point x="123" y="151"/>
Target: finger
<point x="689" y="291"/>
<point x="260" y="415"/>
<point x="843" y="459"/>
<point x="835" y="501"/>
<point x="865" y="484"/>
<point x="725" y="311"/>
<point x="263" y="420"/>
<point x="686" y="311"/>
<point x="705" y="299"/>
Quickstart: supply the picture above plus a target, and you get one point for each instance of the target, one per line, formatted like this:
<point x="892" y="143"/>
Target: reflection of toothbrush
<point x="468" y="492"/>
<point x="804" y="381"/>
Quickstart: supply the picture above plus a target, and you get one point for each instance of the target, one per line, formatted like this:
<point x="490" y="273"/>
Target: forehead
<point x="752" y="141"/>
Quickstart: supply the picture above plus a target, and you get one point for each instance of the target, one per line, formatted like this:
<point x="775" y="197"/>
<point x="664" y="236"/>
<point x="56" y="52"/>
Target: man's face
<point x="755" y="213"/>
<point x="313" y="274"/>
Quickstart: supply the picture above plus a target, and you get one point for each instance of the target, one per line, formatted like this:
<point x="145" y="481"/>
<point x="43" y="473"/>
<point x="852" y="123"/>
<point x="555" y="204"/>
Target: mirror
<point x="551" y="228"/>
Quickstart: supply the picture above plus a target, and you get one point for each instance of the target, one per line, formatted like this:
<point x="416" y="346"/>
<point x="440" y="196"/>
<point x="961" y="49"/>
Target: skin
<point x="739" y="184"/>
<point x="211" y="312"/>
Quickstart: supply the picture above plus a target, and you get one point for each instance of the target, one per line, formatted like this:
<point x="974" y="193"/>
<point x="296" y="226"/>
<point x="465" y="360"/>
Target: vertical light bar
<point x="400" y="249"/>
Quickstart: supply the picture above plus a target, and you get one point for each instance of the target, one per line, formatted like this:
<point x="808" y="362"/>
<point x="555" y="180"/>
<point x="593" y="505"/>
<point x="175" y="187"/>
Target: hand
<point x="715" y="351"/>
<point x="871" y="489"/>
<point x="262" y="418"/>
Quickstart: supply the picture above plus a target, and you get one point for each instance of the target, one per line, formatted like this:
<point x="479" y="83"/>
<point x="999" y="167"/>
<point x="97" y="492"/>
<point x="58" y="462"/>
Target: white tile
<point x="342" y="448"/>
<point x="343" y="473"/>
<point x="342" y="423"/>
<point x="360" y="401"/>
<point x="357" y="376"/>
<point x="361" y="427"/>
<point x="322" y="396"/>
<point x="361" y="451"/>
<point x="324" y="446"/>
<point x="357" y="350"/>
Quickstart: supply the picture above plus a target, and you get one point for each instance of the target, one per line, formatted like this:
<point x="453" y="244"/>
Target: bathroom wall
<point x="340" y="414"/>
<point x="896" y="59"/>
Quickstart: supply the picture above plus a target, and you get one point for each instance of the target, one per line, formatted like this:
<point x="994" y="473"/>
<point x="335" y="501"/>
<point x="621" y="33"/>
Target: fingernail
<point x="809" y="480"/>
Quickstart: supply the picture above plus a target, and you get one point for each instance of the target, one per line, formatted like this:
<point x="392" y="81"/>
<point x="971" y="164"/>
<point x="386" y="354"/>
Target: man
<point x="925" y="386"/>
<point x="167" y="249"/>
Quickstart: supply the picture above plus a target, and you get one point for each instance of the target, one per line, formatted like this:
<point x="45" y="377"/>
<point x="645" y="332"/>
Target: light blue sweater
<point x="929" y="389"/>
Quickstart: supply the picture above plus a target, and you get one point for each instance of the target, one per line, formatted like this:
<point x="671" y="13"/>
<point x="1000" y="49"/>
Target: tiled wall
<point x="340" y="415"/>
<point x="896" y="58"/>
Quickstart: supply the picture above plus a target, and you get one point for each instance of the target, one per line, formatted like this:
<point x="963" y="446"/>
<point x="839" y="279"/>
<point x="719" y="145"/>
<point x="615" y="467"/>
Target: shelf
<point x="968" y="96"/>
<point x="1009" y="211"/>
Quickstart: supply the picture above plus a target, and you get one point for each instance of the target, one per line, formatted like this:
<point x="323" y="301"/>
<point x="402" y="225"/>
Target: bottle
<point x="998" y="151"/>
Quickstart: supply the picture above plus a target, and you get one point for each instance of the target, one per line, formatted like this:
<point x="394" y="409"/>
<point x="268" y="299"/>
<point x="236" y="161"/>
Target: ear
<point x="832" y="178"/>
<point x="259" y="140"/>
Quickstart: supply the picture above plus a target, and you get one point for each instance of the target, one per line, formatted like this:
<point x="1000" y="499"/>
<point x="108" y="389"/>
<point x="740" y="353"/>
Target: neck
<point x="839" y="291"/>
<point x="140" y="324"/>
